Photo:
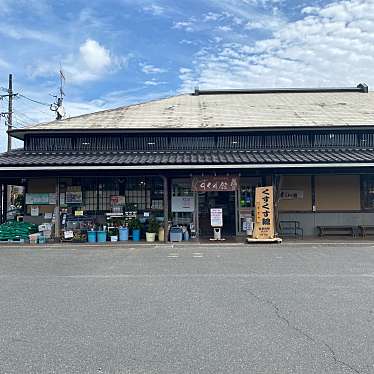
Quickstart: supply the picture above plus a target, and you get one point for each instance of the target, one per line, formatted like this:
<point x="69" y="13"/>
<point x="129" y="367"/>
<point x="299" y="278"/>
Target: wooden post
<point x="277" y="182"/>
<point x="166" y="208"/>
<point x="5" y="201"/>
<point x="1" y="203"/>
<point x="57" y="210"/>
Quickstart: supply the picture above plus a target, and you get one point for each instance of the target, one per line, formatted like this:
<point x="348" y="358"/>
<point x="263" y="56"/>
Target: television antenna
<point x="57" y="106"/>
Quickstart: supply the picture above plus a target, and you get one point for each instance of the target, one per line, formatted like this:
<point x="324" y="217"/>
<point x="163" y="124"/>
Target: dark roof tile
<point x="203" y="157"/>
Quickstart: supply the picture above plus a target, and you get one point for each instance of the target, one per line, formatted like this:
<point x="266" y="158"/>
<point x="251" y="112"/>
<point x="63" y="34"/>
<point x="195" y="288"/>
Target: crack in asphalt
<point x="309" y="337"/>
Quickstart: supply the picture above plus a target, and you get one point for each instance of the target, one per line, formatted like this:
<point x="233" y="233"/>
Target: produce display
<point x="14" y="230"/>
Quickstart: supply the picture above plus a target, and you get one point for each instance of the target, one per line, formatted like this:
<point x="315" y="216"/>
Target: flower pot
<point x="150" y="236"/>
<point x="123" y="233"/>
<point x="91" y="236"/>
<point x="136" y="234"/>
<point x="101" y="236"/>
<point x="161" y="234"/>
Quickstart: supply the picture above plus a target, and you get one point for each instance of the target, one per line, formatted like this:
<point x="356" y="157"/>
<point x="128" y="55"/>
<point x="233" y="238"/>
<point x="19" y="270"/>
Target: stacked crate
<point x="16" y="231"/>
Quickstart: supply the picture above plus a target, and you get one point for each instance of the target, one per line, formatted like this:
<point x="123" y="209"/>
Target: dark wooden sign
<point x="210" y="183"/>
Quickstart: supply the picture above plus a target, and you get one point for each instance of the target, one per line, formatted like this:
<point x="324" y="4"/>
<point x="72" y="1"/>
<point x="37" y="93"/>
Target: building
<point x="178" y="157"/>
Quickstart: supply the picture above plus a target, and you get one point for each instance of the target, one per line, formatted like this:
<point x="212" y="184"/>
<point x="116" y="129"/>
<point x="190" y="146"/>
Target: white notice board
<point x="216" y="217"/>
<point x="182" y="204"/>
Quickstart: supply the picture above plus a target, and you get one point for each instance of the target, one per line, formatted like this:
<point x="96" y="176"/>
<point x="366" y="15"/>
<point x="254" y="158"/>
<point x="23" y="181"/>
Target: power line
<point x="34" y="101"/>
<point x="32" y="120"/>
<point x="19" y="122"/>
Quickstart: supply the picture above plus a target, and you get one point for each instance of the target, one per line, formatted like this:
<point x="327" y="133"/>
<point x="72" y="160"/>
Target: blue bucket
<point x="91" y="236"/>
<point x="123" y="233"/>
<point x="136" y="234"/>
<point x="101" y="236"/>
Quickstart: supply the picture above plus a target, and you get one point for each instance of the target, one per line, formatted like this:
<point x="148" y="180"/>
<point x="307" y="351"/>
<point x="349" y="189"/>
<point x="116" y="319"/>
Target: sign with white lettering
<point x="216" y="219"/>
<point x="210" y="183"/>
<point x="264" y="225"/>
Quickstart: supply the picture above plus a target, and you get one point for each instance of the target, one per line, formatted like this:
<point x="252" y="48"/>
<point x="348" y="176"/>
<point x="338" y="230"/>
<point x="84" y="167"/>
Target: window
<point x="182" y="188"/>
<point x="367" y="189"/>
<point x="141" y="193"/>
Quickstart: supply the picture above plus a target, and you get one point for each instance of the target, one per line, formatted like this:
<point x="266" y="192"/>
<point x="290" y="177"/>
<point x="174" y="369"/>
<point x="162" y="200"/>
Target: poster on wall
<point x="264" y="225"/>
<point x="40" y="199"/>
<point x="34" y="211"/>
<point x="52" y="198"/>
<point x="73" y="197"/>
<point x="216" y="219"/>
<point x="37" y="199"/>
<point x="181" y="204"/>
<point x="213" y="183"/>
<point x="118" y="200"/>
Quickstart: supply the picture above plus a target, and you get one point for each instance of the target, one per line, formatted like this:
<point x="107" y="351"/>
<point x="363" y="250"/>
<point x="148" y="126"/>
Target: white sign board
<point x="37" y="199"/>
<point x="216" y="217"/>
<point x="291" y="194"/>
<point x="34" y="211"/>
<point x="68" y="234"/>
<point x="182" y="204"/>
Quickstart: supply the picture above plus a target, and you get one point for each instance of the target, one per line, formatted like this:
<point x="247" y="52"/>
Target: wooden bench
<point x="338" y="230"/>
<point x="366" y="230"/>
<point x="291" y="229"/>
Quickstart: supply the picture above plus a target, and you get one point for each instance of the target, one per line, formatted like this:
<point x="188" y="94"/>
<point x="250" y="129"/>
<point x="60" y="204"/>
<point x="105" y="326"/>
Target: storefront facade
<point x="175" y="159"/>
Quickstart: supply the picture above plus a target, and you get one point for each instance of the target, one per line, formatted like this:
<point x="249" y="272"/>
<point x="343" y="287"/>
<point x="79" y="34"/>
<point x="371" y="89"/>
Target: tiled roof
<point x="270" y="110"/>
<point x="163" y="158"/>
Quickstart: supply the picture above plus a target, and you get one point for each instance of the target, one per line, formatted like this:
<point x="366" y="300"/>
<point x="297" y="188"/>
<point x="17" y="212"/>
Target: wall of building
<point x="337" y="200"/>
<point x="337" y="192"/>
<point x="310" y="220"/>
<point x="45" y="185"/>
<point x="300" y="183"/>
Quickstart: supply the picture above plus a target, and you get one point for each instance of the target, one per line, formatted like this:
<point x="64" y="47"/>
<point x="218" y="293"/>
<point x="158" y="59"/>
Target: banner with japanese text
<point x="264" y="225"/>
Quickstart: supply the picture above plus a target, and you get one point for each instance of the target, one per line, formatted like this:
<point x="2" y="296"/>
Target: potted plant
<point x="152" y="229"/>
<point x="134" y="225"/>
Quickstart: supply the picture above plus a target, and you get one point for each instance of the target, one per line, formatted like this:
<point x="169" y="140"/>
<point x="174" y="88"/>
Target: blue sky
<point x="118" y="52"/>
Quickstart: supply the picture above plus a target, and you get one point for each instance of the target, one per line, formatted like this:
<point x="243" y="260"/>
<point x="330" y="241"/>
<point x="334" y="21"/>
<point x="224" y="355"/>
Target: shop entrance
<point x="224" y="200"/>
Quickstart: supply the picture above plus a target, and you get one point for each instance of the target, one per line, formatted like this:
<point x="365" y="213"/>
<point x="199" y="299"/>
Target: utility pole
<point x="10" y="111"/>
<point x="5" y="195"/>
<point x="9" y="114"/>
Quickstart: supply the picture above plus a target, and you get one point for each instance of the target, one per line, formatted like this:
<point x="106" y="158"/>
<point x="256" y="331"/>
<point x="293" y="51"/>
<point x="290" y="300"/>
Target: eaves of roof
<point x="188" y="159"/>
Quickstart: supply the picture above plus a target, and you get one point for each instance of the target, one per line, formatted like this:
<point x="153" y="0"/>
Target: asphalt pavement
<point x="218" y="308"/>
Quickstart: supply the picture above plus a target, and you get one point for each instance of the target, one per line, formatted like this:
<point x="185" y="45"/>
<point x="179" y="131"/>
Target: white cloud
<point x="331" y="45"/>
<point x="93" y="62"/>
<point x="224" y="28"/>
<point x="4" y="64"/>
<point x="184" y="25"/>
<point x="154" y="9"/>
<point x="188" y="42"/>
<point x="19" y="32"/>
<point x="264" y="22"/>
<point x="151" y="69"/>
<point x="96" y="57"/>
<point x="211" y="16"/>
<point x="153" y="82"/>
